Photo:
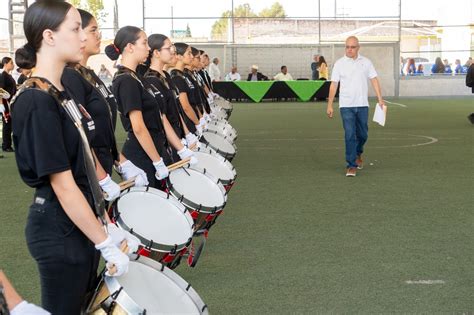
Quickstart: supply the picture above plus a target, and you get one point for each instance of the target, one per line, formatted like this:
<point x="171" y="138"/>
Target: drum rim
<point x="190" y="204"/>
<point x="129" y="305"/>
<point x="224" y="125"/>
<point x="223" y="100"/>
<point x="225" y="138"/>
<point x="213" y="153"/>
<point x="150" y="244"/>
<point x="229" y="134"/>
<point x="225" y="155"/>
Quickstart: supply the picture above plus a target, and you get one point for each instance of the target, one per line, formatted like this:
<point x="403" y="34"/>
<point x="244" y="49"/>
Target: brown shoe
<point x="359" y="162"/>
<point x="351" y="172"/>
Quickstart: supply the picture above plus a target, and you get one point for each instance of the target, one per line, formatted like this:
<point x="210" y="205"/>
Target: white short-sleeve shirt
<point x="353" y="75"/>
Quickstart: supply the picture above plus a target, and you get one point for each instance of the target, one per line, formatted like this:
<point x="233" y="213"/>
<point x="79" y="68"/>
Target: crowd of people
<point x="319" y="71"/>
<point x="444" y="67"/>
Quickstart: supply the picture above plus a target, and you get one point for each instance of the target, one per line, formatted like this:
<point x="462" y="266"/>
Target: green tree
<point x="276" y="10"/>
<point x="220" y="27"/>
<point x="94" y="7"/>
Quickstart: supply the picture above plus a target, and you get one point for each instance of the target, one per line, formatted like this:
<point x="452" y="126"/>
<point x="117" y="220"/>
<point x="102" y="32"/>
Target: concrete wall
<point x="434" y="86"/>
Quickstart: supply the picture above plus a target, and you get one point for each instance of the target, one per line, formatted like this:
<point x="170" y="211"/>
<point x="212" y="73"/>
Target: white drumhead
<point x="214" y="165"/>
<point x="222" y="130"/>
<point x="197" y="187"/>
<point x="219" y="142"/>
<point x="155" y="217"/>
<point x="155" y="292"/>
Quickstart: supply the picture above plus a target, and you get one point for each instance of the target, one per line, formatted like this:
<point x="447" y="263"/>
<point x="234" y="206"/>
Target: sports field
<point x="298" y="236"/>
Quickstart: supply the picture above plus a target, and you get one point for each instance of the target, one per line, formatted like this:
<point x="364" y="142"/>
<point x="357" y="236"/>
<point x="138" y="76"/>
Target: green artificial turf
<point x="297" y="236"/>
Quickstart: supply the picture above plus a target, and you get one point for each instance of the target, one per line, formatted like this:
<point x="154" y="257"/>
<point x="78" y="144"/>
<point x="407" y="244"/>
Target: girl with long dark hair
<point x="161" y="54"/>
<point x="90" y="91"/>
<point x="50" y="134"/>
<point x="146" y="142"/>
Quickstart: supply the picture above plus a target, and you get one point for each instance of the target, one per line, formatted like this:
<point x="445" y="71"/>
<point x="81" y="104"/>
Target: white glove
<point x="185" y="153"/>
<point x="203" y="123"/>
<point x="114" y="257"/>
<point x="128" y="170"/>
<point x="118" y="235"/>
<point x="25" y="308"/>
<point x="161" y="170"/>
<point x="210" y="98"/>
<point x="111" y="188"/>
<point x="199" y="130"/>
<point x="191" y="139"/>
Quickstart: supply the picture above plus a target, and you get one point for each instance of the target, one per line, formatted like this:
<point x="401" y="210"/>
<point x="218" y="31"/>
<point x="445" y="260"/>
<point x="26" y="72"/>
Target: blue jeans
<point x="354" y="121"/>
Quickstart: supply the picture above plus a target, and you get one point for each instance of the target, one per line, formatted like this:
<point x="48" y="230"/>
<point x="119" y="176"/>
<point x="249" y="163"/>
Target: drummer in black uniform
<point x="186" y="88"/>
<point x="51" y="156"/>
<point x="90" y="91"/>
<point x="146" y="143"/>
<point x="161" y="53"/>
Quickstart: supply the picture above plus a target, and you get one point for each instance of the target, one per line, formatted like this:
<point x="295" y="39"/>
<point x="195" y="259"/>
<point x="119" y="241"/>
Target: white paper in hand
<point x="380" y="114"/>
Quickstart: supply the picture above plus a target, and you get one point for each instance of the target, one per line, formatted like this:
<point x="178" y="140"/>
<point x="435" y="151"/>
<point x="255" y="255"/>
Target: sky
<point x="462" y="10"/>
<point x="130" y="11"/>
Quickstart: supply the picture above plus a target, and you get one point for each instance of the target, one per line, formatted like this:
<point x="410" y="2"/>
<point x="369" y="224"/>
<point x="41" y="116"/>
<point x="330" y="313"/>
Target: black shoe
<point x="8" y="150"/>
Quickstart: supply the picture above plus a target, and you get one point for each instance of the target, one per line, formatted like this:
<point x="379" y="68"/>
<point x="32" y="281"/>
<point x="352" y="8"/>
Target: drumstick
<point x="126" y="184"/>
<point x="178" y="164"/>
<point x="124" y="248"/>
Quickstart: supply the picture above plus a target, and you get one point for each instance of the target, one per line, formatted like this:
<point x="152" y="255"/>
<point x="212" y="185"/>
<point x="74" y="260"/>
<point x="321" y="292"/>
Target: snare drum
<point x="221" y="144"/>
<point x="223" y="125"/>
<point x="161" y="223"/>
<point x="220" y="113"/>
<point x="147" y="288"/>
<point x="218" y="166"/>
<point x="225" y="105"/>
<point x="223" y="129"/>
<point x="200" y="192"/>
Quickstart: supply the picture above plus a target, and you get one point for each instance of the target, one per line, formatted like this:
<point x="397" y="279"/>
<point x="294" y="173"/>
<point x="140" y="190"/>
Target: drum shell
<point x="170" y="255"/>
<point x="124" y="304"/>
<point x="228" y="155"/>
<point x="227" y="183"/>
<point x="202" y="215"/>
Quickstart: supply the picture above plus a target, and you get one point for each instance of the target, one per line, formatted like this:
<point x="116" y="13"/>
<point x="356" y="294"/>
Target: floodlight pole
<point x="319" y="21"/>
<point x="398" y="51"/>
<point x="232" y="22"/>
<point x="143" y="14"/>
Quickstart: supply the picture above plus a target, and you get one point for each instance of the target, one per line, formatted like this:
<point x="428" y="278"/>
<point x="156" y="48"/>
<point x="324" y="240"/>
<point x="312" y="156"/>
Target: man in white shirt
<point x="214" y="71"/>
<point x="283" y="75"/>
<point x="352" y="72"/>
<point x="233" y="75"/>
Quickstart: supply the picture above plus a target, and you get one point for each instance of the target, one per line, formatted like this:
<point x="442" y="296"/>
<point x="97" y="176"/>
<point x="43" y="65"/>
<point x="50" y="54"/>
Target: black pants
<point x="133" y="151"/>
<point x="67" y="260"/>
<point x="7" y="134"/>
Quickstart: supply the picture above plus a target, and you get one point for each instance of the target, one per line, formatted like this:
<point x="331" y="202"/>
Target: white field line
<point x="431" y="140"/>
<point x="425" y="282"/>
<point x="398" y="104"/>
